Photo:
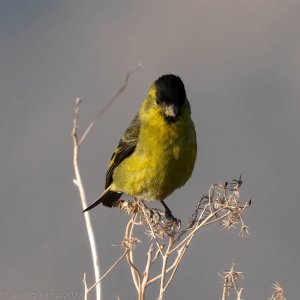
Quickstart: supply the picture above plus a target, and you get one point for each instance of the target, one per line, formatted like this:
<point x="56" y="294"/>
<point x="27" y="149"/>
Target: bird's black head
<point x="170" y="89"/>
<point x="170" y="95"/>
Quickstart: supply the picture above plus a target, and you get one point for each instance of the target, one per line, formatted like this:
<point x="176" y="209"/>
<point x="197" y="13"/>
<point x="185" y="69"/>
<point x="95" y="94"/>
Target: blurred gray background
<point x="240" y="62"/>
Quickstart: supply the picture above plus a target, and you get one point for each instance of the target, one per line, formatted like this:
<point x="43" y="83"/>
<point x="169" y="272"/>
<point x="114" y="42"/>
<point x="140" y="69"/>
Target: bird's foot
<point x="169" y="216"/>
<point x="174" y="223"/>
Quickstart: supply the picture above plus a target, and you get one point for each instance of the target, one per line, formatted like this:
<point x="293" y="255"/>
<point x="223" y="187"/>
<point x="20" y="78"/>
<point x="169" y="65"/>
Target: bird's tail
<point x="108" y="198"/>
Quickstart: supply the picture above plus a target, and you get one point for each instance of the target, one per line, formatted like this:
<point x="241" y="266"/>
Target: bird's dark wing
<point x="125" y="148"/>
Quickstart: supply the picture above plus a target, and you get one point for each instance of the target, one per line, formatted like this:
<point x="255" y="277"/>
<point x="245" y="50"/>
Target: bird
<point x="158" y="151"/>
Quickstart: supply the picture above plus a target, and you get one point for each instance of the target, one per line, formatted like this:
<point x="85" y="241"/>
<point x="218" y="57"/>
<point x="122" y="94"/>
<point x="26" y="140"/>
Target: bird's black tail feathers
<point x="108" y="198"/>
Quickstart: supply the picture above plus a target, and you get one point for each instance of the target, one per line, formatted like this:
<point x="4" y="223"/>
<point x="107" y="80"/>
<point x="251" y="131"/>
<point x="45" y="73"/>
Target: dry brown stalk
<point x="220" y="206"/>
<point x="278" y="293"/>
<point x="231" y="279"/>
<point x="78" y="180"/>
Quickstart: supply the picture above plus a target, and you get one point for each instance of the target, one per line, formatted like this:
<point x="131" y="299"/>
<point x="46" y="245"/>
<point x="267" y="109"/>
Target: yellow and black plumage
<point x="157" y="153"/>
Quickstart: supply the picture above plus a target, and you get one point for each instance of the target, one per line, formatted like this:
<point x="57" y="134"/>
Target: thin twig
<point x="146" y="271"/>
<point x="85" y="287"/>
<point x="193" y="223"/>
<point x="109" y="270"/>
<point x="192" y="233"/>
<point x="136" y="276"/>
<point x="78" y="181"/>
<point x="164" y="268"/>
<point x="159" y="275"/>
<point x="216" y="219"/>
<point x="278" y="293"/>
<point x="79" y="184"/>
<point x="224" y="293"/>
<point x="239" y="293"/>
<point x="231" y="280"/>
<point x="100" y="113"/>
<point x="177" y="262"/>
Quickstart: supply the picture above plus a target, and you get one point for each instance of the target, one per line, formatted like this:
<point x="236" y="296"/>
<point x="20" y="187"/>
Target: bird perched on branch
<point x="157" y="153"/>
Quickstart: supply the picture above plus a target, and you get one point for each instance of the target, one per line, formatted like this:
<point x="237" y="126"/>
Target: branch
<point x="176" y="265"/>
<point x="129" y="243"/>
<point x="85" y="287"/>
<point x="146" y="272"/>
<point x="220" y="206"/>
<point x="78" y="182"/>
<point x="162" y="288"/>
<point x="108" y="271"/>
<point x="100" y="113"/>
<point x="231" y="279"/>
<point x="278" y="292"/>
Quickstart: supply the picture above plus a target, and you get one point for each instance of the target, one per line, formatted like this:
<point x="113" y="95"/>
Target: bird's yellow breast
<point x="163" y="159"/>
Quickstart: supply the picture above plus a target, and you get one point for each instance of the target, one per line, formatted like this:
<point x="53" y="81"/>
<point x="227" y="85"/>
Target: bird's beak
<point x="171" y="110"/>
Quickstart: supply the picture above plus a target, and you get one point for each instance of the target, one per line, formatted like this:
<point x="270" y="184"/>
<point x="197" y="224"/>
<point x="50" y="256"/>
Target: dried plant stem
<point x="231" y="280"/>
<point x="136" y="275"/>
<point x="239" y="294"/>
<point x="190" y="236"/>
<point x="146" y="272"/>
<point x="159" y="276"/>
<point x="100" y="113"/>
<point x="85" y="286"/>
<point x="108" y="271"/>
<point x="278" y="293"/>
<point x="176" y="265"/>
<point x="78" y="182"/>
<point x="165" y="258"/>
<point x="224" y="292"/>
<point x="220" y="206"/>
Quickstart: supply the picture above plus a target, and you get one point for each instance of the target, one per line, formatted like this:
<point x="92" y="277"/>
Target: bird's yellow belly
<point x="163" y="163"/>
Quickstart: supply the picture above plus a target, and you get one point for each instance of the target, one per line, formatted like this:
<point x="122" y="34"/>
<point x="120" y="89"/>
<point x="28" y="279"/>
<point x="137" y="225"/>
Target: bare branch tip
<point x="278" y="293"/>
<point x="138" y="66"/>
<point x="78" y="101"/>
